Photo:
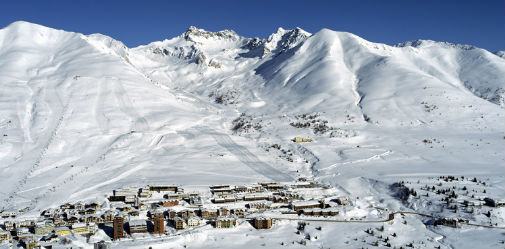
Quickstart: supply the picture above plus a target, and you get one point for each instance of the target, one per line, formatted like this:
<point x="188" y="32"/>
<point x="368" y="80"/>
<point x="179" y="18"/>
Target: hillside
<point x="81" y="115"/>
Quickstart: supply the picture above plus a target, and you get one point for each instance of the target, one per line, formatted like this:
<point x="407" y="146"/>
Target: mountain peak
<point x="193" y="34"/>
<point x="285" y="39"/>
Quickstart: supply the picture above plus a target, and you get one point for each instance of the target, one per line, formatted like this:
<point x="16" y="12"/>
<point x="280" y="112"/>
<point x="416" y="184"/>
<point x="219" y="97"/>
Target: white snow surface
<point x="81" y="115"/>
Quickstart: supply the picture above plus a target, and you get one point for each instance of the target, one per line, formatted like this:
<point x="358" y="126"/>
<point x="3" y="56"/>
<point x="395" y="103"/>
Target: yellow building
<point x="80" y="228"/>
<point x="6" y="235"/>
<point x="61" y="231"/>
<point x="179" y="223"/>
<point x="301" y="139"/>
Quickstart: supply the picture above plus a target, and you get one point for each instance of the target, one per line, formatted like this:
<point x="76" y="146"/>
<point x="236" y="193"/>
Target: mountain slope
<point x="83" y="115"/>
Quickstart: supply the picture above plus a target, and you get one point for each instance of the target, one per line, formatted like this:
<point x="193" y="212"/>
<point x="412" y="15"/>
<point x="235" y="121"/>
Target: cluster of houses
<point x="53" y="224"/>
<point x="158" y="209"/>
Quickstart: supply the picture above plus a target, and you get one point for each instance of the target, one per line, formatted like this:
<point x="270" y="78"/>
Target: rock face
<point x="195" y="35"/>
<point x="200" y="59"/>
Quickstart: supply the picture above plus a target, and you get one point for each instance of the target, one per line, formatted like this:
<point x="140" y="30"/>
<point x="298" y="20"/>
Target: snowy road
<point x="249" y="159"/>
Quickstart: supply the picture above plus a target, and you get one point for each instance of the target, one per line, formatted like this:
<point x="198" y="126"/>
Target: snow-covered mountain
<point x="81" y="115"/>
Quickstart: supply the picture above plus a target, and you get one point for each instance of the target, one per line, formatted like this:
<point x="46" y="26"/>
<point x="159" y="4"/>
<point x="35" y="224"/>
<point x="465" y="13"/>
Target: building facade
<point x="159" y="224"/>
<point x="118" y="227"/>
<point x="262" y="223"/>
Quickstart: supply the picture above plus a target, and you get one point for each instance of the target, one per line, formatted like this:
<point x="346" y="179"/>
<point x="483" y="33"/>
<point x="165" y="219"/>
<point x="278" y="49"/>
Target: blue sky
<point x="479" y="22"/>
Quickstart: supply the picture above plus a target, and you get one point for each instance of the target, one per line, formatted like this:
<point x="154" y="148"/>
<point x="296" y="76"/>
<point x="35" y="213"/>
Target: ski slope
<point x="81" y="115"/>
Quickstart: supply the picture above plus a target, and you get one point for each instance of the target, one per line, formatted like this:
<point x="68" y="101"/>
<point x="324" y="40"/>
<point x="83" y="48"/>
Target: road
<point x="390" y="217"/>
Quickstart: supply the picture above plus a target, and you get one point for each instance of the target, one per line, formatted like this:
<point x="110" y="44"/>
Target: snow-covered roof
<point x="137" y="223"/>
<point x="305" y="203"/>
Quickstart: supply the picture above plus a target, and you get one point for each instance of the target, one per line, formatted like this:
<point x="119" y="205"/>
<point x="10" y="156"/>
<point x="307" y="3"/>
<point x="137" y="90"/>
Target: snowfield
<point x="81" y="115"/>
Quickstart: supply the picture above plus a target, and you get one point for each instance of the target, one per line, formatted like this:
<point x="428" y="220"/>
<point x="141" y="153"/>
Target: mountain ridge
<point x="84" y="114"/>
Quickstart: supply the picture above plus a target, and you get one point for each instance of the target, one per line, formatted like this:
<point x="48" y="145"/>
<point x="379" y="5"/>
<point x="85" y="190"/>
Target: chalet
<point x="193" y="221"/>
<point x="219" y="200"/>
<point x="70" y="212"/>
<point x="129" y="194"/>
<point x="101" y="245"/>
<point x="24" y="236"/>
<point x="90" y="211"/>
<point x="67" y="206"/>
<point x="58" y="220"/>
<point x="7" y="214"/>
<point x="224" y="212"/>
<point x="126" y="208"/>
<point x="43" y="228"/>
<point x="62" y="231"/>
<point x="222" y="186"/>
<point x="290" y="194"/>
<point x="179" y="223"/>
<point x="230" y="199"/>
<point x="448" y="222"/>
<point x="208" y="213"/>
<point x="225" y="222"/>
<point x="25" y="223"/>
<point x="158" y="189"/>
<point x="299" y="205"/>
<point x="80" y="206"/>
<point x="177" y="196"/>
<point x="137" y="226"/>
<point x="239" y="211"/>
<point x="311" y="211"/>
<point x="254" y="197"/>
<point x="304" y="184"/>
<point x="80" y="228"/>
<point x="329" y="212"/>
<point x="72" y="219"/>
<point x="92" y="227"/>
<point x="171" y="214"/>
<point x="319" y="211"/>
<point x="262" y="223"/>
<point x="187" y="213"/>
<point x="9" y="225"/>
<point x="301" y="140"/>
<point x="127" y="191"/>
<point x="145" y="193"/>
<point x="95" y="218"/>
<point x="93" y="205"/>
<point x="114" y="198"/>
<point x="240" y="189"/>
<point x="274" y="187"/>
<point x="254" y="188"/>
<point x="258" y="205"/>
<point x="123" y="215"/>
<point x="170" y="203"/>
<point x="48" y="212"/>
<point x="50" y="238"/>
<point x="196" y="200"/>
<point x="22" y="230"/>
<point x="278" y="199"/>
<point x="30" y="243"/>
<point x="5" y="236"/>
<point x="222" y="191"/>
<point x="108" y="216"/>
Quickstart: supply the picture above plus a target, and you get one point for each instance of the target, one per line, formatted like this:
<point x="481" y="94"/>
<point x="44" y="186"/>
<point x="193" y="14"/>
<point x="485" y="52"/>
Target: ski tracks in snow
<point x="61" y="117"/>
<point x="249" y="159"/>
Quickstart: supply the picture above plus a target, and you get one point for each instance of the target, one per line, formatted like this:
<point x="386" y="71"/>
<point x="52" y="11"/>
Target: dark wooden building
<point x="262" y="223"/>
<point x="118" y="227"/>
<point x="159" y="224"/>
